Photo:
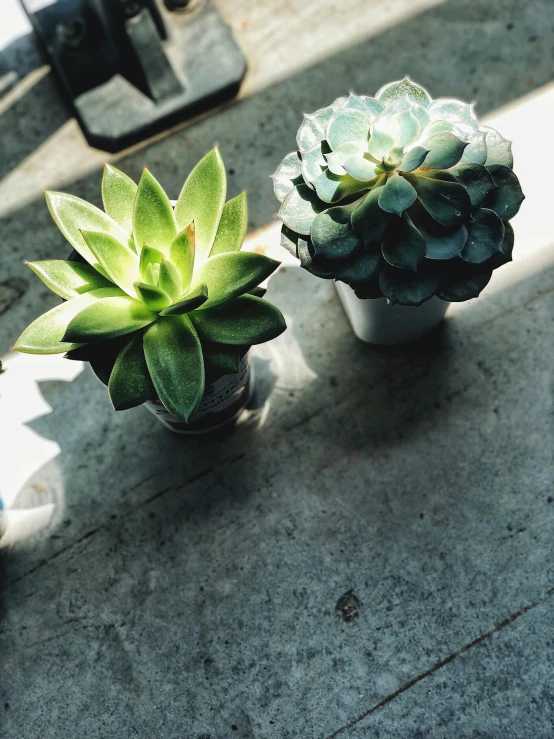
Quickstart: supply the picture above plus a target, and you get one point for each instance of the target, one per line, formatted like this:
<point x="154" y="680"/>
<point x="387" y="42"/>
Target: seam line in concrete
<point x="439" y="665"/>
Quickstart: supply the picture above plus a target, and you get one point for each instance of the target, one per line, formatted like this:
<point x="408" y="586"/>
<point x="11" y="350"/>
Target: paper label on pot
<point x="219" y="395"/>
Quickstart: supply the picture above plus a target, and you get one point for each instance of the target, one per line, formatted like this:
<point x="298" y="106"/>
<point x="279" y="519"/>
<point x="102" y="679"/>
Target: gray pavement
<point x="186" y="589"/>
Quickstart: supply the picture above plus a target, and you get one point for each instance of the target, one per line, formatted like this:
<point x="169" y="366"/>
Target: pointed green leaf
<point x="149" y="255"/>
<point x="130" y="382"/>
<point x="153" y="297"/>
<point x="181" y="254"/>
<point x="73" y="215"/>
<point x="447" y="202"/>
<point x="299" y="209"/>
<point x="397" y="195"/>
<point x="170" y="280"/>
<point x="243" y="321"/>
<point x="287" y="175"/>
<point x="485" y="237"/>
<point x="232" y="226"/>
<point x="118" y="196"/>
<point x="45" y="335"/>
<point x="477" y="180"/>
<point x="506" y="200"/>
<point x="258" y="292"/>
<point x="107" y="318"/>
<point x="403" y="127"/>
<point x="380" y="144"/>
<point x="440" y="242"/>
<point x="336" y="159"/>
<point x="347" y="124"/>
<point x="413" y="159"/>
<point x="153" y="218"/>
<point x="505" y="255"/>
<point x="308" y="261"/>
<point x="369" y="221"/>
<point x="68" y="279"/>
<point x="174" y="358"/>
<point x="230" y="275"/>
<point x="221" y="359"/>
<point x="445" y="150"/>
<point x="202" y="199"/>
<point x="499" y="149"/>
<point x="193" y="300"/>
<point x="331" y="188"/>
<point x="152" y="274"/>
<point x="370" y="106"/>
<point x="117" y="260"/>
<point x="463" y="282"/>
<point x="360" y="169"/>
<point x="404" y="246"/>
<point x="403" y="88"/>
<point x="312" y="129"/>
<point x="332" y="234"/>
<point x="405" y="287"/>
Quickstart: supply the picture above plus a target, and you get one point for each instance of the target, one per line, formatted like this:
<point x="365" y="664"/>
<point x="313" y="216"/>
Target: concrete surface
<point x="370" y="553"/>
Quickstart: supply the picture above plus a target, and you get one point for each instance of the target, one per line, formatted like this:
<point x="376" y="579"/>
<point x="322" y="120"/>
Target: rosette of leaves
<point x="162" y="295"/>
<point x="400" y="196"/>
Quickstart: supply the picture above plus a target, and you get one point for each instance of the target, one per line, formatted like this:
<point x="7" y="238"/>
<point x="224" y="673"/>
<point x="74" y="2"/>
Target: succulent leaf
<point x="345" y="125"/>
<point x="308" y="261"/>
<point x="362" y="268"/>
<point x="299" y="209"/>
<point x="447" y="202"/>
<point x="397" y="195"/>
<point x="170" y="280"/>
<point x="441" y="243"/>
<point x="332" y="234"/>
<point x="287" y="175"/>
<point x="106" y="318"/>
<point x="69" y="279"/>
<point x="370" y="106"/>
<point x="445" y="150"/>
<point x="221" y="359"/>
<point x="477" y="180"/>
<point x="73" y="215"/>
<point x="118" y="262"/>
<point x="406" y="287"/>
<point x="313" y="162"/>
<point x="369" y="221"/>
<point x="404" y="128"/>
<point x="153" y="297"/>
<point x="46" y="333"/>
<point x="193" y="300"/>
<point x="313" y="127"/>
<point x="413" y="159"/>
<point x="405" y="88"/>
<point x="506" y="200"/>
<point x="202" y="199"/>
<point x="118" y="196"/>
<point x="130" y="383"/>
<point x="228" y="276"/>
<point x="476" y="150"/>
<point x="380" y="143"/>
<point x="181" y="254"/>
<point x="173" y="352"/>
<point x="463" y="283"/>
<point x="153" y="218"/>
<point x="336" y="159"/>
<point x="404" y="246"/>
<point x="361" y="169"/>
<point x="485" y="237"/>
<point x="232" y="227"/>
<point x="244" y="321"/>
<point x="499" y="150"/>
<point x="455" y="111"/>
<point x="148" y="256"/>
<point x="330" y="188"/>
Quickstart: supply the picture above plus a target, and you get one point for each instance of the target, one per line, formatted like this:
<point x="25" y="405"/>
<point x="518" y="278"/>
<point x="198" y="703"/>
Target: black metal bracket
<point x="131" y="68"/>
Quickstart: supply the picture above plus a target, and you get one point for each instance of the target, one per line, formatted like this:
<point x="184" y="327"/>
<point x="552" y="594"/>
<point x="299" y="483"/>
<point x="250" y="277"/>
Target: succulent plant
<point x="399" y="196"/>
<point x="162" y="294"/>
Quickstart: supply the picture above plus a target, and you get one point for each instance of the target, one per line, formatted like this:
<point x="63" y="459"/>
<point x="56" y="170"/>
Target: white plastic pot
<point x="377" y="322"/>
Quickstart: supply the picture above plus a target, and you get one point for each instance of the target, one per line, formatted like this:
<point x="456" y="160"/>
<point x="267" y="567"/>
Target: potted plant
<point x="159" y="298"/>
<point x="404" y="201"/>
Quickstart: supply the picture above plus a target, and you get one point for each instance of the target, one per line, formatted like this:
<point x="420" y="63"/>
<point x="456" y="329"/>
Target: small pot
<point x="377" y="322"/>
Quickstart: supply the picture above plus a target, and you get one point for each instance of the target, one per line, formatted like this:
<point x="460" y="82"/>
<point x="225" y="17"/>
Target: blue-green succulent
<point x="161" y="296"/>
<point x="399" y="195"/>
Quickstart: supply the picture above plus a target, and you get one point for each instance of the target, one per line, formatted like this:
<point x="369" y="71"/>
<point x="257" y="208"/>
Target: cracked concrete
<point x="191" y="589"/>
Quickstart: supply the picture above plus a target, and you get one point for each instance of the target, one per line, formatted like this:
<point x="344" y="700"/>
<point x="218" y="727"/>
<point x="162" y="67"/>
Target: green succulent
<point x="162" y="294"/>
<point x="399" y="196"/>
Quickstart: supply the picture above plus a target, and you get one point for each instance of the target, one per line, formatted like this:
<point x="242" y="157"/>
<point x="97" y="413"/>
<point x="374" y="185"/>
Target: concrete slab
<point x="379" y="527"/>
